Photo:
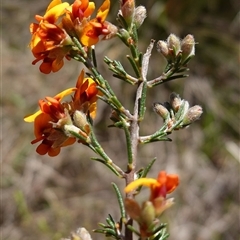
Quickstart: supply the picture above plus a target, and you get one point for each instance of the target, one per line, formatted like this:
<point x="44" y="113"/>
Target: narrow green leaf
<point x="134" y="66"/>
<point x="108" y="165"/>
<point x="147" y="169"/>
<point x="120" y="200"/>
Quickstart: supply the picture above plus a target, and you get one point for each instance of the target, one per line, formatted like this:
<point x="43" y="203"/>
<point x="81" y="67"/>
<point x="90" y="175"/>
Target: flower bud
<point x="128" y="9"/>
<point x="124" y="35"/>
<point x="162" y="47"/>
<point x="161" y="110"/>
<point x="175" y="101"/>
<point x="80" y="120"/>
<point x="81" y="234"/>
<point x="148" y="213"/>
<point x="139" y="16"/>
<point x="174" y="43"/>
<point x="192" y="115"/>
<point x="188" y="47"/>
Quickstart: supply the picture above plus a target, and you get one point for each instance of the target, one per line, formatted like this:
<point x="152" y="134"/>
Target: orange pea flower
<point x="50" y="113"/>
<point x="55" y="118"/>
<point x="80" y="10"/>
<point x="146" y="215"/>
<point x="50" y="43"/>
<point x="96" y="27"/>
<point x="85" y="97"/>
<point x="160" y="187"/>
<point x="77" y="21"/>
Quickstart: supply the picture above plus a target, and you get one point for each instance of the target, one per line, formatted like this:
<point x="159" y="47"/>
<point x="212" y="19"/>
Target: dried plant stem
<point x="134" y="127"/>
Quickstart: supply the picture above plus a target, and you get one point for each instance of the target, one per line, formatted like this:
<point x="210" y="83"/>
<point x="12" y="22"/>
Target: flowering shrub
<point x="70" y="31"/>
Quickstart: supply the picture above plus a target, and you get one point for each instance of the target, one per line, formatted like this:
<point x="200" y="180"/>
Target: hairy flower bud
<point x="139" y="16"/>
<point x="80" y="120"/>
<point x="128" y="10"/>
<point x="175" y="101"/>
<point x="192" y="115"/>
<point x="80" y="234"/>
<point x="188" y="47"/>
<point x="174" y="43"/>
<point x="162" y="47"/>
<point x="161" y="110"/>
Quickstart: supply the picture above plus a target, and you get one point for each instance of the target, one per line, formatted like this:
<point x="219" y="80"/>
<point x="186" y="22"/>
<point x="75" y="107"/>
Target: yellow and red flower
<point x="77" y="20"/>
<point x="54" y="115"/>
<point x="85" y="97"/>
<point x="50" y="43"/>
<point x="151" y="209"/>
<point x="160" y="187"/>
<point x="52" y="36"/>
<point x="96" y="27"/>
<point x="81" y="9"/>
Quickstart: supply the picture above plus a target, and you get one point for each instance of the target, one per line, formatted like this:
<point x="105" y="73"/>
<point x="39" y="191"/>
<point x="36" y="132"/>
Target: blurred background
<point x="47" y="198"/>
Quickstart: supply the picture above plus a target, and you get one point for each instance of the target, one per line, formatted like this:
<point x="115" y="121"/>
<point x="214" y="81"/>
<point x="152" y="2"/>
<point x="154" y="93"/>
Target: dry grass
<point x="47" y="198"/>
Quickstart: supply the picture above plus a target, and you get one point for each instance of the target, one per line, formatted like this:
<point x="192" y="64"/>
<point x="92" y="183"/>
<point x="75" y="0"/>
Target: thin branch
<point x="145" y="61"/>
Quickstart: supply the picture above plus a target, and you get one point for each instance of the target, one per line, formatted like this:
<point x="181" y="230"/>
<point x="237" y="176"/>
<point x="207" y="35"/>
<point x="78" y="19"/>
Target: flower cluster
<point x="52" y="36"/>
<point x="176" y="113"/>
<point x="177" y="51"/>
<point x="147" y="214"/>
<point x="56" y="122"/>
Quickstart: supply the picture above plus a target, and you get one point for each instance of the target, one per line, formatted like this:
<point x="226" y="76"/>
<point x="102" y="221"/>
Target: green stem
<point x="149" y="138"/>
<point x="97" y="148"/>
<point x="80" y="47"/>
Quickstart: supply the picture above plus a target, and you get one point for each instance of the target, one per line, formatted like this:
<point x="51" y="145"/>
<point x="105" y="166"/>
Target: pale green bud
<point x="162" y="47"/>
<point x="128" y="10"/>
<point x="80" y="119"/>
<point x="161" y="110"/>
<point x="174" y="43"/>
<point x="175" y="101"/>
<point x="148" y="213"/>
<point x="124" y="35"/>
<point x="192" y="115"/>
<point x="139" y="16"/>
<point x="188" y="47"/>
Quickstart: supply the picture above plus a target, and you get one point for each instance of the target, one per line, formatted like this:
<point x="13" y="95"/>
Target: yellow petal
<point x="59" y="97"/>
<point x="53" y="4"/>
<point x="54" y="13"/>
<point x="103" y="10"/>
<point x="90" y="9"/>
<point x="31" y="117"/>
<point x="148" y="182"/>
<point x="64" y="93"/>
